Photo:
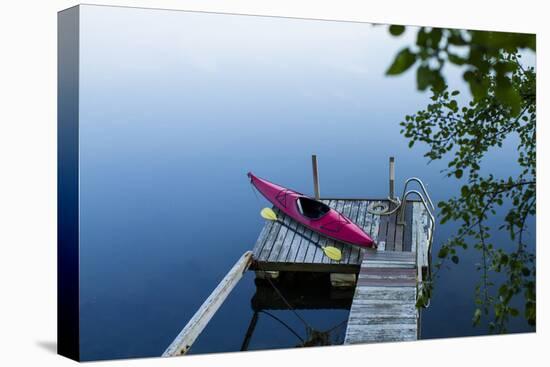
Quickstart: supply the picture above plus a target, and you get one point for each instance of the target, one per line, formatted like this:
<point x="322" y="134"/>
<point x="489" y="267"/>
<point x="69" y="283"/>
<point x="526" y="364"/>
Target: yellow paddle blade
<point x="332" y="253"/>
<point x="268" y="214"/>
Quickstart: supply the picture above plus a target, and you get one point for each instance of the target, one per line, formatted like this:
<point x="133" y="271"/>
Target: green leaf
<point x="477" y="316"/>
<point x="424" y="77"/>
<point x="455" y="259"/>
<point x="397" y="30"/>
<point x="422" y="37"/>
<point x="455" y="59"/>
<point x="508" y="95"/>
<point x="479" y="85"/>
<point x="435" y="37"/>
<point x="403" y="61"/>
<point x="458" y="173"/>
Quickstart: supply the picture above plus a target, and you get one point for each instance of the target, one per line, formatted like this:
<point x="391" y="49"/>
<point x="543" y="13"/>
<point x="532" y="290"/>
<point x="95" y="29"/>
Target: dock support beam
<point x="392" y="178"/>
<point x="249" y="331"/>
<point x="200" y="319"/>
<point x="343" y="280"/>
<point x="316" y="188"/>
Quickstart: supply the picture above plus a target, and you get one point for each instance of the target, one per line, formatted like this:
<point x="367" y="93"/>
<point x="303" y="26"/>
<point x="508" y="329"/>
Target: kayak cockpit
<point x="311" y="208"/>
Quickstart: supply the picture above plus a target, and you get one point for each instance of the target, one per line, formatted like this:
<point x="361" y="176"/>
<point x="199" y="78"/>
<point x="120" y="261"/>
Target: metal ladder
<point x="399" y="204"/>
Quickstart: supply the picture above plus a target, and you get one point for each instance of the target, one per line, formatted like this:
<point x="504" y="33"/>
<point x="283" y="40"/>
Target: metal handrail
<point x="401" y="214"/>
<point x="419" y="279"/>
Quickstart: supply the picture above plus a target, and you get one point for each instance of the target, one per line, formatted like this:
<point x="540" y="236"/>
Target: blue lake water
<point x="176" y="108"/>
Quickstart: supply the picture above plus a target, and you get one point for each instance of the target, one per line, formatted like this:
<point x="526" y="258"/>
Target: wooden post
<point x="182" y="343"/>
<point x="249" y="331"/>
<point x="392" y="178"/>
<point x="316" y="188"/>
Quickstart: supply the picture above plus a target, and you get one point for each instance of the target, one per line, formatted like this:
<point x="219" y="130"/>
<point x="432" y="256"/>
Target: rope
<point x="328" y="331"/>
<point x="385" y="211"/>
<point x="255" y="193"/>
<point x="288" y="305"/>
<point x="284" y="324"/>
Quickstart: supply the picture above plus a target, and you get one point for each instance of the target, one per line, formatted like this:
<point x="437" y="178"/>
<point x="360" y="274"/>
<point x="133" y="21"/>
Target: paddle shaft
<point x="300" y="234"/>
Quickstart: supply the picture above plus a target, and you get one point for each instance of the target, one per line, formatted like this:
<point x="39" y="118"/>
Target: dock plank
<point x="280" y="239"/>
<point x="383" y="230"/>
<point x="364" y="220"/>
<point x="323" y="241"/>
<point x="384" y="303"/>
<point x="399" y="228"/>
<point x="292" y="246"/>
<point x="271" y="237"/>
<point x="260" y="242"/>
<point x="337" y="205"/>
<point x="295" y="245"/>
<point x="375" y="224"/>
<point x="422" y="229"/>
<point x="287" y="241"/>
<point x="346" y="249"/>
<point x="407" y="233"/>
<point x="390" y="236"/>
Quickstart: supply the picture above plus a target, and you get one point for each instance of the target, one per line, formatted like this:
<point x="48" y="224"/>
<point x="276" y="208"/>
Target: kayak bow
<point x="312" y="213"/>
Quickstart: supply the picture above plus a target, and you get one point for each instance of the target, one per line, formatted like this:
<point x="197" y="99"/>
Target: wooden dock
<point x="384" y="302"/>
<point x="286" y="245"/>
<point x="385" y="281"/>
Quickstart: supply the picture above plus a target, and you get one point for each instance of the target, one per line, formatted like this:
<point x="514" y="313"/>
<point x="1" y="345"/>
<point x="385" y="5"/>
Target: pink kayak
<point x="313" y="214"/>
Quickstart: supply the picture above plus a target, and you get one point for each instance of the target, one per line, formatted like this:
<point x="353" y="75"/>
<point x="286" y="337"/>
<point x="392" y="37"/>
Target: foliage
<point x="503" y="107"/>
<point x="477" y="51"/>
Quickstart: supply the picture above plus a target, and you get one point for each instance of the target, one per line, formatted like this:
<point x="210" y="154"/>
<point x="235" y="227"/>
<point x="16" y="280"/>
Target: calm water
<point x="175" y="108"/>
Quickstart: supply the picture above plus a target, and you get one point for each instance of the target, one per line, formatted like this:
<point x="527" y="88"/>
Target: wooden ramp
<point x="384" y="304"/>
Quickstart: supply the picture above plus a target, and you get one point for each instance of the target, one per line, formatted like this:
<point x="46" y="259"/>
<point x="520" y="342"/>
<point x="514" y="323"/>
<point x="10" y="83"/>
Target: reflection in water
<point x="294" y="292"/>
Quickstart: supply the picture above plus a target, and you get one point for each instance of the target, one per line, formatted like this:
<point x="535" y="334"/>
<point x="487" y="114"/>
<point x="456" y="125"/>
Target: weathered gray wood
<point x="358" y="334"/>
<point x="384" y="304"/>
<point x="327" y="242"/>
<point x="311" y="248"/>
<point x="316" y="186"/>
<point x="183" y="342"/>
<point x="363" y="220"/>
<point x="375" y="226"/>
<point x="295" y="244"/>
<point x="407" y="233"/>
<point x="390" y="237"/>
<point x="399" y="232"/>
<point x="383" y="321"/>
<point x="319" y="256"/>
<point x="304" y="245"/>
<point x="346" y="248"/>
<point x="280" y="239"/>
<point x="423" y="236"/>
<point x="383" y="230"/>
<point x="372" y="256"/>
<point x="403" y="294"/>
<point x="271" y="237"/>
<point x="257" y="250"/>
<point x="287" y="243"/>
